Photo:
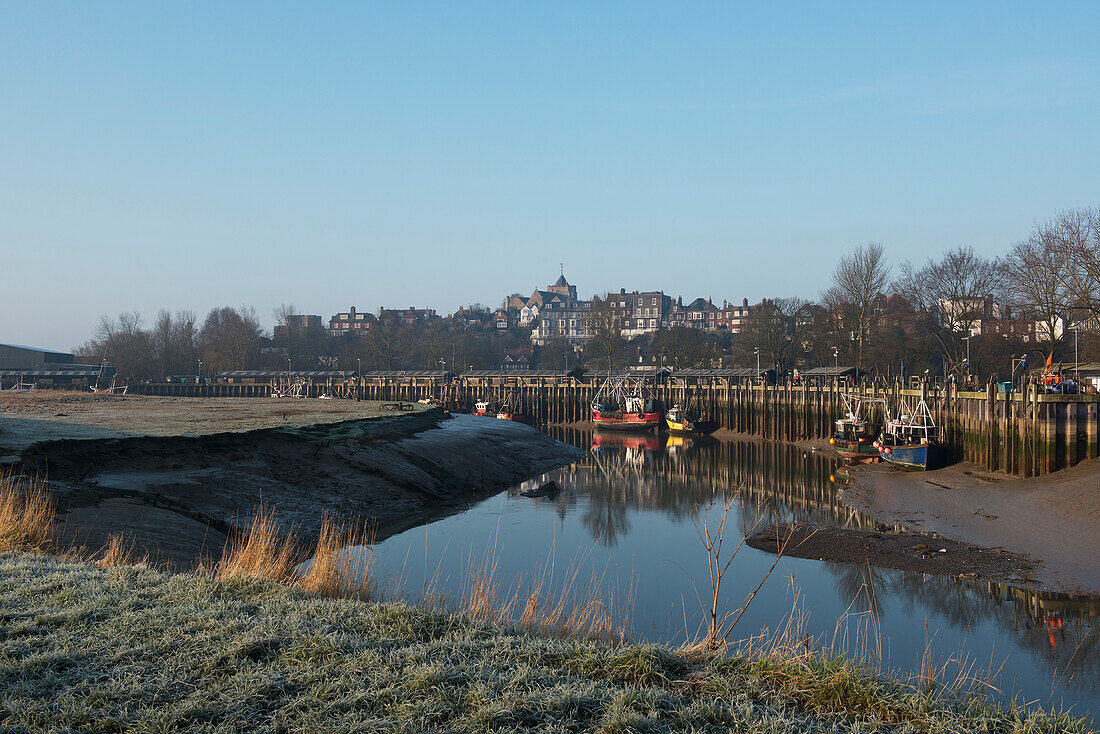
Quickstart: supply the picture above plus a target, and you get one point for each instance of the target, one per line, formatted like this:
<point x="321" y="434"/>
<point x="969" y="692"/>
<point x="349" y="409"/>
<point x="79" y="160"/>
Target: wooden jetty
<point x="1024" y="432"/>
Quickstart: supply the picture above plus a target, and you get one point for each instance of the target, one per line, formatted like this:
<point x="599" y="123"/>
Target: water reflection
<point x="628" y="506"/>
<point x="674" y="475"/>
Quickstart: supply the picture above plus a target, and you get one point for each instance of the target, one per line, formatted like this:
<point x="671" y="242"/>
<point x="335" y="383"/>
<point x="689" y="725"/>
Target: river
<point x="625" y="519"/>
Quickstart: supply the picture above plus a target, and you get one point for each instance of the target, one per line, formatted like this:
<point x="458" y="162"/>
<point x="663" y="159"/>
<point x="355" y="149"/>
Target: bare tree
<point x="230" y="338"/>
<point x="163" y="343"/>
<point x="852" y="300"/>
<point x="607" y="345"/>
<point x="1072" y="240"/>
<point x="1038" y="283"/>
<point x="122" y="343"/>
<point x="951" y="297"/>
<point x="779" y="328"/>
<point x="185" y="338"/>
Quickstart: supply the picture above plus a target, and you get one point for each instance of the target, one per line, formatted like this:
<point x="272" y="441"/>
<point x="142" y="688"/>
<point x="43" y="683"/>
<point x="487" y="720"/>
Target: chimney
<point x="745" y="302"/>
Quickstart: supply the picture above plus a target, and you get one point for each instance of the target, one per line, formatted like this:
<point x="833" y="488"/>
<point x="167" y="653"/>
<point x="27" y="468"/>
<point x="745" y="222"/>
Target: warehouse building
<point x="29" y="366"/>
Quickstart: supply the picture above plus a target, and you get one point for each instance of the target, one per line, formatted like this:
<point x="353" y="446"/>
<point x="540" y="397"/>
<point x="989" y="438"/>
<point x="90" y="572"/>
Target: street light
<point x="1076" y="353"/>
<point x="836" y="364"/>
<point x="757" y="353"/>
<point x="358" y="366"/>
<point x="967" y="340"/>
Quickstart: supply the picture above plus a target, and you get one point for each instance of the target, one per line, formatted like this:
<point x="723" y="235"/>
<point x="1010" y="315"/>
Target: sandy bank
<point x="1054" y="519"/>
<point x="120" y="468"/>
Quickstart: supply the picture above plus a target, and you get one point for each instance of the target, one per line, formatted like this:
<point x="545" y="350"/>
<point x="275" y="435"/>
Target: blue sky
<point x="192" y="155"/>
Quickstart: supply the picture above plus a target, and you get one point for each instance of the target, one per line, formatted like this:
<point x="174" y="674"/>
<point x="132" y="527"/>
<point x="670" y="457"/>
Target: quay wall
<point x="1024" y="432"/>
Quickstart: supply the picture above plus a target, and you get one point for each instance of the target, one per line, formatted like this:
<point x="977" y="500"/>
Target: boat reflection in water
<point x="626" y="511"/>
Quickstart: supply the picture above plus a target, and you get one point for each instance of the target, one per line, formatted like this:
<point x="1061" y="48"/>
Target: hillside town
<point x="961" y="317"/>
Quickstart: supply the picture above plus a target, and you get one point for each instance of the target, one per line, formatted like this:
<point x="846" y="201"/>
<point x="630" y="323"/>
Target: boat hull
<point x="857" y="452"/>
<point x="518" y="417"/>
<point x="919" y="456"/>
<point x="701" y="428"/>
<point x="626" y="421"/>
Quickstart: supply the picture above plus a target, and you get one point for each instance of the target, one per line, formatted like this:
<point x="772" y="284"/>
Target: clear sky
<point x="191" y="155"/>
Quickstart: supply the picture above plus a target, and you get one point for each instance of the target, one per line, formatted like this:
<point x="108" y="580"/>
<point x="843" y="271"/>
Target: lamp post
<point x="358" y="366"/>
<point x="757" y="353"/>
<point x="836" y="364"/>
<point x="967" y="340"/>
<point x="1076" y="355"/>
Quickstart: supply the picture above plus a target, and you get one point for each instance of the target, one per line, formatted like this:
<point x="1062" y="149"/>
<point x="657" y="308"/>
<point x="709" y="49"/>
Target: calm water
<point x="624" y="516"/>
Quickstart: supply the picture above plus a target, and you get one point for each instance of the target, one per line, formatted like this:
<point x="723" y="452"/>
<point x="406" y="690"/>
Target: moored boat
<point x="509" y="409"/>
<point x="622" y="405"/>
<point x="912" y="440"/>
<point x="854" y="438"/>
<point x="682" y="420"/>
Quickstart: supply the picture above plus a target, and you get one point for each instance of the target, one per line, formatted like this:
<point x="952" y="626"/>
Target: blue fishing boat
<point x="912" y="439"/>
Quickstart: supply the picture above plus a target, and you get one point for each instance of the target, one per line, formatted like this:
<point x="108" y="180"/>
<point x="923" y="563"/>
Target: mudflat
<point x="29" y="418"/>
<point x="178" y="476"/>
<point x="901" y="550"/>
<point x="1053" y="519"/>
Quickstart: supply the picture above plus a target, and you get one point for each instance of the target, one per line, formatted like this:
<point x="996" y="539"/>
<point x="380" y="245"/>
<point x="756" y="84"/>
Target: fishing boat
<point x="484" y="407"/>
<point x="854" y="439"/>
<point x="509" y="407"/>
<point x="621" y="404"/>
<point x="912" y="440"/>
<point x="686" y="420"/>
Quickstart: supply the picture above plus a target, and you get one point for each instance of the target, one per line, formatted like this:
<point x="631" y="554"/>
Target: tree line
<point x="960" y="313"/>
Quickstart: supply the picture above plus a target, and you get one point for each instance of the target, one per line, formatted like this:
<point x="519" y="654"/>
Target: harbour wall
<point x="1023" y="432"/>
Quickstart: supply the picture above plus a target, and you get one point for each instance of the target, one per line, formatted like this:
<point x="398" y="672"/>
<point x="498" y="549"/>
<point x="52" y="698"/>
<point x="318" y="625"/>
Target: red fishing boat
<point x="509" y="409"/>
<point x="621" y="404"/>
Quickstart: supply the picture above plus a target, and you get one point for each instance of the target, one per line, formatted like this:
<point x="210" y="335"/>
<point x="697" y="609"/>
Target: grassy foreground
<point x="84" y="648"/>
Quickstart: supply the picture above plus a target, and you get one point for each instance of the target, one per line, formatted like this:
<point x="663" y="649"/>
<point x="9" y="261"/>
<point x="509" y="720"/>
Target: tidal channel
<point x="624" y="519"/>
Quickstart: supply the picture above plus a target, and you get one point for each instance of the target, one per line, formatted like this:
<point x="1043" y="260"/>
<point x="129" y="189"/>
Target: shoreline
<point x="1054" y="520"/>
<point x="124" y="468"/>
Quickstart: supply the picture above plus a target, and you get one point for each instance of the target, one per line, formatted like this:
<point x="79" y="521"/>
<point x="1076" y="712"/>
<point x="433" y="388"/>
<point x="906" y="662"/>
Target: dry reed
<point x="119" y="552"/>
<point x="264" y="553"/>
<point x="26" y="513"/>
<point x="342" y="562"/>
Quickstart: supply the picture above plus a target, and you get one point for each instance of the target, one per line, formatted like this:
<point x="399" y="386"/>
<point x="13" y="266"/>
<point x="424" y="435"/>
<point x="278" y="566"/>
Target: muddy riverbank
<point x="900" y="550"/>
<point x="1053" y="519"/>
<point x="176" y="476"/>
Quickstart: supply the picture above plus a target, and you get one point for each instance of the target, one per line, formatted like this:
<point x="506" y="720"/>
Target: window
<point x="654" y="301"/>
<point x="653" y="322"/>
<point x="561" y="323"/>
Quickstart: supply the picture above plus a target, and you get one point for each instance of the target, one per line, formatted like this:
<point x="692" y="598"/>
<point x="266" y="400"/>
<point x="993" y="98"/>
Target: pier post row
<point x="1023" y="431"/>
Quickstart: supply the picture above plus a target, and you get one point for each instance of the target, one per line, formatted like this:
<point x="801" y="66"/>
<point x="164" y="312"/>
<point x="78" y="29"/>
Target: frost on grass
<point x="125" y="649"/>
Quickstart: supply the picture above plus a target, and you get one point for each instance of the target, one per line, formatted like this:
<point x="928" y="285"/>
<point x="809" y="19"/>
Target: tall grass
<point x="342" y="563"/>
<point x="26" y="513"/>
<point x="264" y="553"/>
<point x="119" y="552"/>
<point x="569" y="608"/>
